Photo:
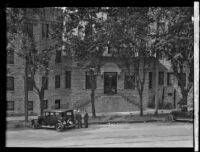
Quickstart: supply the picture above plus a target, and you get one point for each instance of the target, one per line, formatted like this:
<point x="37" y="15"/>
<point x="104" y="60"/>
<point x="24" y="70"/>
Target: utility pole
<point x="26" y="91"/>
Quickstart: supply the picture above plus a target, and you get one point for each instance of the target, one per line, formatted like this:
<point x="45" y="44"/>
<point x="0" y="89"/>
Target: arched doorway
<point x="110" y="71"/>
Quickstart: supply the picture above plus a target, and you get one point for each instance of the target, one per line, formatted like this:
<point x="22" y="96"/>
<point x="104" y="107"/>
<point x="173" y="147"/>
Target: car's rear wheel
<point x="171" y="117"/>
<point x="36" y="125"/>
<point x="59" y="127"/>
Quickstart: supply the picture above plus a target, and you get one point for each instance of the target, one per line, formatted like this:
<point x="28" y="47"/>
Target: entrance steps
<point x="112" y="103"/>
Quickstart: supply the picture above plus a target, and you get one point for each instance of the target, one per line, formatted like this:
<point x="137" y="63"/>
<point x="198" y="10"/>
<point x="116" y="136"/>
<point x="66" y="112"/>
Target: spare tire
<point x="59" y="127"/>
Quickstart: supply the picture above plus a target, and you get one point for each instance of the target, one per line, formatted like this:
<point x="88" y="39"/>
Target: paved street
<point x="176" y="134"/>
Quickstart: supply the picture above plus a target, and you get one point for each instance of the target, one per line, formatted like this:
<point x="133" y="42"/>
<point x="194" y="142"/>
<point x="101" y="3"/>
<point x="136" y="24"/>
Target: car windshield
<point x="57" y="114"/>
<point x="46" y="114"/>
<point x="68" y="113"/>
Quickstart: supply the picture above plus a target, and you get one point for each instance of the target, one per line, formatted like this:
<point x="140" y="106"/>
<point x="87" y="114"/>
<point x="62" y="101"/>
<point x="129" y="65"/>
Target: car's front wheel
<point x="59" y="127"/>
<point x="171" y="117"/>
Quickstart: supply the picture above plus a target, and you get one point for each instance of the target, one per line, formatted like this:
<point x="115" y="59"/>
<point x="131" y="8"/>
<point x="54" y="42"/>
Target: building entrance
<point x="110" y="82"/>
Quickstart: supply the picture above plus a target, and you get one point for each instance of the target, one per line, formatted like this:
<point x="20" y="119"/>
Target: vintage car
<point x="58" y="119"/>
<point x="184" y="113"/>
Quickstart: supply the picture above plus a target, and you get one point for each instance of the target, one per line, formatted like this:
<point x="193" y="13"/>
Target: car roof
<point x="58" y="110"/>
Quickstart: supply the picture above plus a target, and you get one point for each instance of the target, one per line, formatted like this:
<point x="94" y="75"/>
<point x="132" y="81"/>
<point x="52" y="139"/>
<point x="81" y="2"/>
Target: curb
<point x="114" y="122"/>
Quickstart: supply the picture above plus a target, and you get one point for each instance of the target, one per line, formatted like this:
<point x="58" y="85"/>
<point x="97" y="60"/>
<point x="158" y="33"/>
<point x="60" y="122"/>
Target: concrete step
<point x="112" y="103"/>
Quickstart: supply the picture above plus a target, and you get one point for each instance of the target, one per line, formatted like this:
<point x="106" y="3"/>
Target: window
<point x="58" y="57"/>
<point x="45" y="104"/>
<point x="10" y="83"/>
<point x="10" y="105"/>
<point x="29" y="29"/>
<point x="10" y="56"/>
<point x="170" y="78"/>
<point x="57" y="104"/>
<point x="150" y="80"/>
<point x="182" y="80"/>
<point x="45" y="82"/>
<point x="68" y="79"/>
<point x="161" y="78"/>
<point x="29" y="84"/>
<point x="45" y="30"/>
<point x="57" y="81"/>
<point x="88" y="82"/>
<point x="129" y="81"/>
<point x="30" y="105"/>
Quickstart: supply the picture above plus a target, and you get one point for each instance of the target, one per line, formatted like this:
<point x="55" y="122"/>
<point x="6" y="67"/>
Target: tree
<point x="176" y="41"/>
<point x="129" y="37"/>
<point x="86" y="45"/>
<point x="21" y="39"/>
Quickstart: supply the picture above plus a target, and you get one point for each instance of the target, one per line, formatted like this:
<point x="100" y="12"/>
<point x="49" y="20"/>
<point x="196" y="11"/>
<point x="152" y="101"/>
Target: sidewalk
<point x="148" y="111"/>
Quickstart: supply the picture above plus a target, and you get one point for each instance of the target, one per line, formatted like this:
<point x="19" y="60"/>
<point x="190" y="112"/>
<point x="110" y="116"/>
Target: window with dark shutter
<point x="68" y="79"/>
<point x="11" y="105"/>
<point x="10" y="56"/>
<point x="29" y="29"/>
<point x="43" y="31"/>
<point x="57" y="81"/>
<point x="47" y="30"/>
<point x="10" y="83"/>
<point x="58" y="57"/>
<point x="182" y="80"/>
<point x="45" y="104"/>
<point x="129" y="81"/>
<point x="29" y="84"/>
<point x="170" y="78"/>
<point x="30" y="105"/>
<point x="45" y="82"/>
<point x="88" y="81"/>
<point x="161" y="78"/>
<point x="150" y="80"/>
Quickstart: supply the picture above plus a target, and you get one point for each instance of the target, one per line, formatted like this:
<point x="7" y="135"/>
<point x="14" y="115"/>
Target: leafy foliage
<point x="20" y="37"/>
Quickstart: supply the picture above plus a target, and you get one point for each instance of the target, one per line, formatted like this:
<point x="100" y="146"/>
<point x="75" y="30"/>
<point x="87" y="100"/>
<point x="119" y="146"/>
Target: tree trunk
<point x="141" y="104"/>
<point x="26" y="93"/>
<point x="41" y="96"/>
<point x="92" y="81"/>
<point x="184" y="95"/>
<point x="92" y="102"/>
<point x="156" y="87"/>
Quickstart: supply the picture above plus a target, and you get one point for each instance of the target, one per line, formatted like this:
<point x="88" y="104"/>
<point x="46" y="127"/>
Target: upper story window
<point x="161" y="78"/>
<point x="30" y="105"/>
<point x="10" y="56"/>
<point x="29" y="84"/>
<point x="11" y="105"/>
<point x="150" y="80"/>
<point x="68" y="79"/>
<point x="45" y="104"/>
<point x="45" y="83"/>
<point x="170" y="78"/>
<point x="58" y="57"/>
<point x="88" y="82"/>
<point x="10" y="83"/>
<point x="45" y="30"/>
<point x="129" y="81"/>
<point x="29" y="29"/>
<point x="182" y="80"/>
<point x="57" y="81"/>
